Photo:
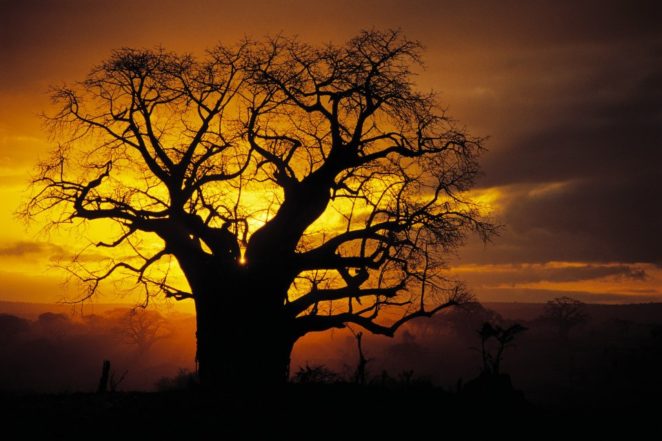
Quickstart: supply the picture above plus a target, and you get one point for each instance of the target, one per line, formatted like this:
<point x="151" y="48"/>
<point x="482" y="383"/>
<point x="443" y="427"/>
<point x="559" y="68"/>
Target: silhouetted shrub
<point x="316" y="374"/>
<point x="184" y="380"/>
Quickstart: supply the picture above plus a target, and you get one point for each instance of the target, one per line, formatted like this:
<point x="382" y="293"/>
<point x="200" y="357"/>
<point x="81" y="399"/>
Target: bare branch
<point x="313" y="184"/>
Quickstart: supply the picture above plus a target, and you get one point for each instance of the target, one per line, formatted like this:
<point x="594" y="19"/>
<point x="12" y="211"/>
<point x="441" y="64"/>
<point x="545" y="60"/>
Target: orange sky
<point x="570" y="96"/>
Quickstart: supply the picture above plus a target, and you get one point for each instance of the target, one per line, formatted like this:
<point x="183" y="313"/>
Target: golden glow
<point x="487" y="199"/>
<point x="27" y="256"/>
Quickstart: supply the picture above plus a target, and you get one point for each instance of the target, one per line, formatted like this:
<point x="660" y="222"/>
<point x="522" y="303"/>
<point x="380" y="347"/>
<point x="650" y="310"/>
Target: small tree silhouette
<point x="565" y="313"/>
<point x="143" y="328"/>
<point x="102" y="388"/>
<point x="116" y="380"/>
<point x="493" y="342"/>
<point x="361" y="373"/>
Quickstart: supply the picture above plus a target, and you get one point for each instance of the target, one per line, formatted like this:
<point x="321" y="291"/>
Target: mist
<point x="609" y="362"/>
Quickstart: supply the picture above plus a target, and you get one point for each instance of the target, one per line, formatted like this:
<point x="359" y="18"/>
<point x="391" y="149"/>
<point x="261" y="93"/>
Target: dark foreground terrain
<point x="300" y="412"/>
<point x="603" y="372"/>
<point x="337" y="411"/>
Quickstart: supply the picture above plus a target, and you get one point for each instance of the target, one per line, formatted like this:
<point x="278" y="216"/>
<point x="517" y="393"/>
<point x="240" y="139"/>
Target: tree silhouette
<point x="360" y="373"/>
<point x="502" y="339"/>
<point x="298" y="188"/>
<point x="565" y="313"/>
<point x="143" y="328"/>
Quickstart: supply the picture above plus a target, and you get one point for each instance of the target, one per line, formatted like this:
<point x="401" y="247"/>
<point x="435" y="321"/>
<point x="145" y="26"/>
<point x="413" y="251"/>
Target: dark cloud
<point x="23" y="249"/>
<point x="518" y="274"/>
<point x="527" y="295"/>
<point x="593" y="220"/>
<point x="582" y="178"/>
<point x="611" y="129"/>
<point x="69" y="34"/>
<point x="49" y="251"/>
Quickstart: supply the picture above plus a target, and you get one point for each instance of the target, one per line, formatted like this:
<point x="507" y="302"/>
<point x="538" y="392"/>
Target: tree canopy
<point x="320" y="168"/>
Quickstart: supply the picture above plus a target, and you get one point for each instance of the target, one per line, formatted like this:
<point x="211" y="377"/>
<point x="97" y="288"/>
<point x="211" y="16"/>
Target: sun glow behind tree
<point x="310" y="187"/>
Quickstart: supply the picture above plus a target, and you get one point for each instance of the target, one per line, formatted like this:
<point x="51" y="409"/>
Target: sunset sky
<point x="569" y="95"/>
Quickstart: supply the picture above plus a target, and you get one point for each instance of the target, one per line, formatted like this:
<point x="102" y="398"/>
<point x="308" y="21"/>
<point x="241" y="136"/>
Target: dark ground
<point x="337" y="411"/>
<point x="606" y="373"/>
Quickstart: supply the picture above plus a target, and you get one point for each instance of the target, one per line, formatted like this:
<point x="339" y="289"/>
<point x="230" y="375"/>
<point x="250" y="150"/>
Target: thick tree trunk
<point x="242" y="344"/>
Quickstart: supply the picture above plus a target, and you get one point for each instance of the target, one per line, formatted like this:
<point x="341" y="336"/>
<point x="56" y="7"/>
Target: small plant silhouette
<point x="361" y="372"/>
<point x="494" y="341"/>
<point x="316" y="374"/>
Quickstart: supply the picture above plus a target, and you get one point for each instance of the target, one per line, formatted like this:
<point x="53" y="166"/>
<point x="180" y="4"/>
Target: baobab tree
<point x="285" y="188"/>
<point x="142" y="328"/>
<point x="565" y="313"/>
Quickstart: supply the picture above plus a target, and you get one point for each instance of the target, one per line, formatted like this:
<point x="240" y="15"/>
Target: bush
<point x="184" y="380"/>
<point x="316" y="374"/>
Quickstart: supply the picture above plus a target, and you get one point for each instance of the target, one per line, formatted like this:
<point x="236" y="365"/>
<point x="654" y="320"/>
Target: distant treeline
<point x="598" y="356"/>
<point x="57" y="353"/>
